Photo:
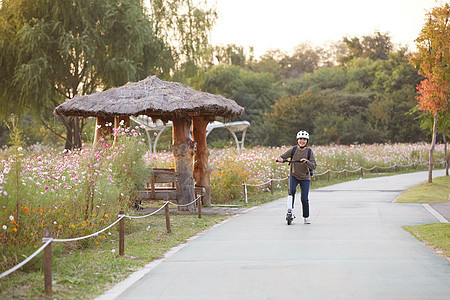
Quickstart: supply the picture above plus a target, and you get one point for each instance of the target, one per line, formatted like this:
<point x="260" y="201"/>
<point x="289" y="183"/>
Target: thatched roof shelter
<point x="167" y="101"/>
<point x="152" y="97"/>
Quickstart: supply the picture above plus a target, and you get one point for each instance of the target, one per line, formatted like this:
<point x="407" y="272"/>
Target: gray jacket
<point x="299" y="170"/>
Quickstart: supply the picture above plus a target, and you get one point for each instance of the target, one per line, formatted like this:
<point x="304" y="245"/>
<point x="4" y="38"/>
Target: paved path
<point x="355" y="248"/>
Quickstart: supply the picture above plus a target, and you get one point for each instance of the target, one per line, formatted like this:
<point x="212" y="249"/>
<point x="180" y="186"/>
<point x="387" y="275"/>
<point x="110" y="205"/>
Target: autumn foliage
<point x="432" y="94"/>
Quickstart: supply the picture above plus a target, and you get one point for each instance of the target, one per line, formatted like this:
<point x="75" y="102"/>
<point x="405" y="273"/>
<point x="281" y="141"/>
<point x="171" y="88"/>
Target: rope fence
<point x="48" y="240"/>
<point x="328" y="172"/>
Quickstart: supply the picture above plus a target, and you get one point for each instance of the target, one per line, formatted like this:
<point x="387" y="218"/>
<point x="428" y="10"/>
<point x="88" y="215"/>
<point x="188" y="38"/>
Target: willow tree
<point x="433" y="62"/>
<point x="52" y="50"/>
<point x="186" y="25"/>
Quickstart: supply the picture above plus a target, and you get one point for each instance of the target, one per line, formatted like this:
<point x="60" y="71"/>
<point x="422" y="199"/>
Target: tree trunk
<point x="202" y="169"/>
<point x="76" y="133"/>
<point x="183" y="151"/>
<point x="433" y="143"/>
<point x="69" y="142"/>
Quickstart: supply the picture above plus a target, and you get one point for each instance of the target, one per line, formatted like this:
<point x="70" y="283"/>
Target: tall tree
<point x="433" y="62"/>
<point x="305" y="59"/>
<point x="186" y="25"/>
<point x="376" y="46"/>
<point x="52" y="50"/>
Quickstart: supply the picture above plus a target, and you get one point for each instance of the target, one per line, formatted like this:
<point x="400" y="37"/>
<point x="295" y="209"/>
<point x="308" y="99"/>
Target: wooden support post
<point x="202" y="169"/>
<point x="362" y="172"/>
<point x="183" y="152"/>
<point x="328" y="175"/>
<point x="121" y="235"/>
<point x="48" y="265"/>
<point x="166" y="210"/>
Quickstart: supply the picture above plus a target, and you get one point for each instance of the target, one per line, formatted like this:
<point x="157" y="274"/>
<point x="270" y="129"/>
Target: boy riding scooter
<point x="301" y="165"/>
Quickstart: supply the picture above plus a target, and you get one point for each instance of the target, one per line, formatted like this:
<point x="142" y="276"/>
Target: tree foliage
<point x="433" y="62"/>
<point x="186" y="25"/>
<point x="51" y="51"/>
<point x="358" y="90"/>
<point x="54" y="50"/>
<point x="376" y="46"/>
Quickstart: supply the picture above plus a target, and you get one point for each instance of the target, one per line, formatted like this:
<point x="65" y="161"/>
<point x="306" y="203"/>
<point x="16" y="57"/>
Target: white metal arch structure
<point x="233" y="127"/>
<point x="159" y="126"/>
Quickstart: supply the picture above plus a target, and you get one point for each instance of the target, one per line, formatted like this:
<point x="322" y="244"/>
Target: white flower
<point x="4" y="227"/>
<point x="11" y="218"/>
<point x="113" y="250"/>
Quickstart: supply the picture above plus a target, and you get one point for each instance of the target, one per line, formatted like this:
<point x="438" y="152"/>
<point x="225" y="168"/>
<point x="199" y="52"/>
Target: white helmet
<point x="302" y="134"/>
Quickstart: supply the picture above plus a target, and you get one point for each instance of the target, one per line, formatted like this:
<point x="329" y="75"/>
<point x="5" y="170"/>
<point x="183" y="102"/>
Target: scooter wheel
<point x="289" y="219"/>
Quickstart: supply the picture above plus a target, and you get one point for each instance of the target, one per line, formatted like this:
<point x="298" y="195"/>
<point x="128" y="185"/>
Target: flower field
<point x="257" y="165"/>
<point x="71" y="193"/>
<point x="80" y="192"/>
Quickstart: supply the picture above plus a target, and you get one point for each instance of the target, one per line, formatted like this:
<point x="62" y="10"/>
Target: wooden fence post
<point x="199" y="206"/>
<point x="166" y="210"/>
<point x="121" y="235"/>
<point x="328" y="175"/>
<point x="362" y="172"/>
<point x="271" y="187"/>
<point x="48" y="264"/>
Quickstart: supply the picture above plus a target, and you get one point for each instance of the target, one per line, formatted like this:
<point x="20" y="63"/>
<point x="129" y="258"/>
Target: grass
<point x="83" y="271"/>
<point x="435" y="235"/>
<point x="436" y="192"/>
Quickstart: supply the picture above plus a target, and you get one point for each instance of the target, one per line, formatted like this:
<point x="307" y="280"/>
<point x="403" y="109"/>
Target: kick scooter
<point x="289" y="215"/>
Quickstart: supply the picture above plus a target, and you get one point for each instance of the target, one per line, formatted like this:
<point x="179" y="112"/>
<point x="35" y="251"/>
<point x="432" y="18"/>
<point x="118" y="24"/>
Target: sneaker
<point x="307" y="221"/>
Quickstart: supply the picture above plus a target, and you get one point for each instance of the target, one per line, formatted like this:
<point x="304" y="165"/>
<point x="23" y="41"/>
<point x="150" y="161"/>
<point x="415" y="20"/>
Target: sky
<point x="284" y="24"/>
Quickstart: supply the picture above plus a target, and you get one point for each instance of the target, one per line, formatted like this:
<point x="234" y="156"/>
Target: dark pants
<point x="304" y="188"/>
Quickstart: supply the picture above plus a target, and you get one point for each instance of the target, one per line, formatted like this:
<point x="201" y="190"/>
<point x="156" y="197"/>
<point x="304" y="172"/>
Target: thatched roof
<point x="151" y="96"/>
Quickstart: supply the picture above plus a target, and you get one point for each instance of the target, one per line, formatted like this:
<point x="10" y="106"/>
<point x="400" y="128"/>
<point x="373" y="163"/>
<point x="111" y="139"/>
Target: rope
<point x="91" y="235"/>
<point x="148" y="215"/>
<point x="175" y="204"/>
<point x="264" y="183"/>
<point x="48" y="241"/>
<point x="333" y="171"/>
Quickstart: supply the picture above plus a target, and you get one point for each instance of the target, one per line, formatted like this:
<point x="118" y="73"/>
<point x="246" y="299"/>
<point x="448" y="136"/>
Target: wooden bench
<point x="163" y="185"/>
